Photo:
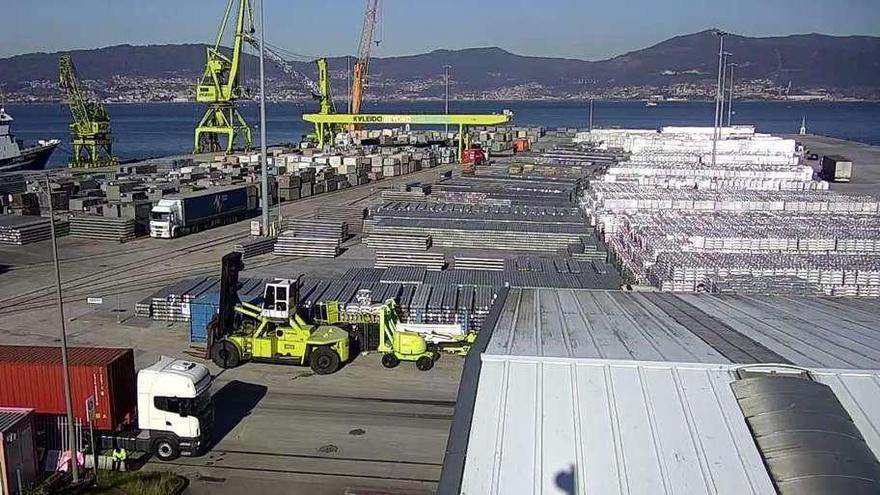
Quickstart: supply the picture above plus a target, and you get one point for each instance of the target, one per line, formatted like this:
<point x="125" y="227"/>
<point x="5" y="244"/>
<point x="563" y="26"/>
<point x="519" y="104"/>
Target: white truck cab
<point x="163" y="218"/>
<point x="175" y="410"/>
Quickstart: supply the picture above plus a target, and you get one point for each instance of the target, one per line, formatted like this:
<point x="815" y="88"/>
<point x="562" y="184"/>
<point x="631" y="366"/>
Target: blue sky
<point x="584" y="29"/>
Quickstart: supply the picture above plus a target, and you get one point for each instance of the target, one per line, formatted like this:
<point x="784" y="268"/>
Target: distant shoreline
<point x="478" y="100"/>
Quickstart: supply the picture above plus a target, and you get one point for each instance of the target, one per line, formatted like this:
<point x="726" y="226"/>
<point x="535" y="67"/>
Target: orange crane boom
<point x="363" y="62"/>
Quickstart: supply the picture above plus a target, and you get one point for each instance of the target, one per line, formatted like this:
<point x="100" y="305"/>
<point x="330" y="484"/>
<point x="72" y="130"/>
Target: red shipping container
<point x="521" y="144"/>
<point x="32" y="377"/>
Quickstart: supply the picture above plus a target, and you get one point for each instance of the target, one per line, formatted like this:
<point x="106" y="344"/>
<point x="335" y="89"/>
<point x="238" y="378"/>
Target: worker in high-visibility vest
<point x="119" y="456"/>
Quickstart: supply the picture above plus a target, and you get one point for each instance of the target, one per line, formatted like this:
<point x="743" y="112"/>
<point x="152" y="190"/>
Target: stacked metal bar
<point x="428" y="260"/>
<point x="403" y="275"/>
<point x="256" y="246"/>
<point x="353" y="217"/>
<point x="290" y="244"/>
<point x="104" y="228"/>
<point x="467" y="263"/>
<point x="395" y="195"/>
<point x="19" y="230"/>
<point x="403" y="242"/>
<point x="316" y="227"/>
<point x="172" y="303"/>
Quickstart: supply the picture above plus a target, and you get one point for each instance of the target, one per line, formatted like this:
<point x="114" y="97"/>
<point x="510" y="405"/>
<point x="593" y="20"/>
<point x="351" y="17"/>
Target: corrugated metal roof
<point x="10" y="416"/>
<point x="556" y="425"/>
<point x="805" y="331"/>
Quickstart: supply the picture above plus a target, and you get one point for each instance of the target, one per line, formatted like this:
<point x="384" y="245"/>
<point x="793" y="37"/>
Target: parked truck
<point x="181" y="214"/>
<point x="165" y="409"/>
<point x="836" y="168"/>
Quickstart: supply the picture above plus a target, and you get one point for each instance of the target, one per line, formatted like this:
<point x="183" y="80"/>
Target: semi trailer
<point x="165" y="409"/>
<point x="181" y="214"/>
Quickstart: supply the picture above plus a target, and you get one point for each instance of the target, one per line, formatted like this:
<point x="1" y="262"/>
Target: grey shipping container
<point x="836" y="168"/>
<point x="18" y="459"/>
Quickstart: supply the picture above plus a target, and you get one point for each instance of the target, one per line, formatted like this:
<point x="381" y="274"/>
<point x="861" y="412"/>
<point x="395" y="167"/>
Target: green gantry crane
<point x="219" y="87"/>
<point x="90" y="129"/>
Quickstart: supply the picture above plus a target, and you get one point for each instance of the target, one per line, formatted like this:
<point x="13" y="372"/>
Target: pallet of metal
<point x="403" y="275"/>
<point x="428" y="260"/>
<point x="394" y="195"/>
<point x="403" y="242"/>
<point x="353" y="217"/>
<point x="255" y="246"/>
<point x="19" y="230"/>
<point x="290" y="244"/>
<point x="467" y="263"/>
<point x="316" y="227"/>
<point x="103" y="228"/>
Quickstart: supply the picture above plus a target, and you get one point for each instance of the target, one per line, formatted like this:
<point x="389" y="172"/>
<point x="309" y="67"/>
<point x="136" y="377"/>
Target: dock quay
<point x="538" y="251"/>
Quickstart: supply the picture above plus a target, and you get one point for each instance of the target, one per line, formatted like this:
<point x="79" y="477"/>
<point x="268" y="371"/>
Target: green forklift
<point x="273" y="331"/>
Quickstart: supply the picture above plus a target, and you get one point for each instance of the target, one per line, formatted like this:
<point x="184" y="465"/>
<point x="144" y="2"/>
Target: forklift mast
<point x="231" y="265"/>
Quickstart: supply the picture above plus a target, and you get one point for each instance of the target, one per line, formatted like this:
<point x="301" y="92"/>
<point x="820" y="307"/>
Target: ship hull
<point x="34" y="158"/>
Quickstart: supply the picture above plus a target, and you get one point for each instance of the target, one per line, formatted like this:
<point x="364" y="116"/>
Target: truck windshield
<point x="160" y="216"/>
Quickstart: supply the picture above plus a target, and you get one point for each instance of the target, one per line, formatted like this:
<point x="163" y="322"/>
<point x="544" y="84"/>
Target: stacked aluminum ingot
<point x="753" y="219"/>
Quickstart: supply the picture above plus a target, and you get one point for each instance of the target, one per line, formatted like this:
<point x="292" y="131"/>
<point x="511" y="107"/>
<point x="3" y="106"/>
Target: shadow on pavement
<point x="232" y="404"/>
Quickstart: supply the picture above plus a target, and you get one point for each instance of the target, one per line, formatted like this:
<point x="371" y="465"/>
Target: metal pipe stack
<point x="310" y="246"/>
<point x="20" y="230"/>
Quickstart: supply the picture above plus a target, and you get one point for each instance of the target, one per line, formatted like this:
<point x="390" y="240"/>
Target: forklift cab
<point x="280" y="299"/>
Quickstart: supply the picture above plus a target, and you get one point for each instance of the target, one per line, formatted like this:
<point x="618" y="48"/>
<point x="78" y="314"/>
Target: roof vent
<point x="807" y="439"/>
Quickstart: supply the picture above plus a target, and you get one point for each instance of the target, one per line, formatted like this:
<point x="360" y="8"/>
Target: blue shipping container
<point x="203" y="310"/>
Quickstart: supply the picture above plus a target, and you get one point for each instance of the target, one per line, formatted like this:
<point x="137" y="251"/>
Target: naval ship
<point x="13" y="157"/>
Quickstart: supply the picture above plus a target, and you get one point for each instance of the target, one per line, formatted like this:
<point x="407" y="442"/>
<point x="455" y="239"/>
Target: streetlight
<point x="264" y="168"/>
<point x="730" y="94"/>
<point x="721" y="34"/>
<point x="446" y="79"/>
<point x="71" y="437"/>
<point x="726" y="55"/>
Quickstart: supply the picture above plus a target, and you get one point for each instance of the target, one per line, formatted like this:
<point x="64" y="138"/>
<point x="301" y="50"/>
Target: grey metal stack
<point x="255" y="246"/>
<point x="352" y="216"/>
<point x="431" y="261"/>
<point x="312" y="246"/>
<point x="103" y="228"/>
<point x="20" y="230"/>
<point x="394" y="195"/>
<point x="315" y="227"/>
<point x="403" y="242"/>
<point x="491" y="264"/>
<point x="403" y="275"/>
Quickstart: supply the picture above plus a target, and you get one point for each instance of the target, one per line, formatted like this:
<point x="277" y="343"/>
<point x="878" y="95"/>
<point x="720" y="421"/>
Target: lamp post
<point x="71" y="436"/>
<point x="721" y="35"/>
<point x="446" y="79"/>
<point x="730" y="95"/>
<point x="726" y="56"/>
<point x="264" y="168"/>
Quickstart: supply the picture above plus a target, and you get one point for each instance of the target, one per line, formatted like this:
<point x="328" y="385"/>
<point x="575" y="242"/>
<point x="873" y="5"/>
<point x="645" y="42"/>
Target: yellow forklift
<point x="273" y="331"/>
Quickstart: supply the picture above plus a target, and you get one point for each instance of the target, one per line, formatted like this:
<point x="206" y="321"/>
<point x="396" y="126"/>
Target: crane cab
<point x="280" y="299"/>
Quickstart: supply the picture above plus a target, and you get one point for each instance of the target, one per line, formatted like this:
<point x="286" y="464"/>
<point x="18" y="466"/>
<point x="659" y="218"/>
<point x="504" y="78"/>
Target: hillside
<point x="843" y="65"/>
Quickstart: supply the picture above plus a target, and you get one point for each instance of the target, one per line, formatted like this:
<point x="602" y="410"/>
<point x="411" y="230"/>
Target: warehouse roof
<point x="630" y="392"/>
<point x="805" y="331"/>
<point x="548" y="425"/>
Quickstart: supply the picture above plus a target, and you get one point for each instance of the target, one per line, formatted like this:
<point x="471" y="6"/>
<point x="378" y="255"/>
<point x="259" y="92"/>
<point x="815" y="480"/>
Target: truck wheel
<point x="424" y="363"/>
<point x="324" y="361"/>
<point x="225" y="355"/>
<point x="166" y="449"/>
<point x="390" y="361"/>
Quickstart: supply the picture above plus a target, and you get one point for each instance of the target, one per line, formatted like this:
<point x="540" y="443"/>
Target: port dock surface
<point x="865" y="157"/>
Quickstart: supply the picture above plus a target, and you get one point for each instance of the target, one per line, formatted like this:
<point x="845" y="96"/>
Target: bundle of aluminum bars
<point x="402" y="242"/>
<point x="290" y="244"/>
<point x="428" y="260"/>
<point x="104" y="228"/>
<point x="255" y="246"/>
<point x="20" y="230"/>
<point x="316" y="227"/>
<point x="469" y="263"/>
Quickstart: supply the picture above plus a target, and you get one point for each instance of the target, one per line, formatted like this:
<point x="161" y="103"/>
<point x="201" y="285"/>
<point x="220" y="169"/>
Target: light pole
<point x="726" y="55"/>
<point x="730" y="95"/>
<point x="591" y="115"/>
<point x="71" y="436"/>
<point x="446" y="78"/>
<point x="721" y="35"/>
<point x="264" y="168"/>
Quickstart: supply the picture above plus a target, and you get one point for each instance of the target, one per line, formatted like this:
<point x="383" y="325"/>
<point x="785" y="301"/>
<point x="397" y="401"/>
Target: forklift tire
<point x="424" y="363"/>
<point x="225" y="355"/>
<point x="390" y="361"/>
<point x="166" y="449"/>
<point x="324" y="361"/>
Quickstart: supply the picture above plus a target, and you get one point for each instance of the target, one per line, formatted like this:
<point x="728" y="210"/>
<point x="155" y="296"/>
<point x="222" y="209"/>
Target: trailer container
<point x="18" y="456"/>
<point x="184" y="213"/>
<point x="836" y="168"/>
<point x="31" y="377"/>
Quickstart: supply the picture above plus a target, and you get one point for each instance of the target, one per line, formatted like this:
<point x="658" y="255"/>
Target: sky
<point x="583" y="29"/>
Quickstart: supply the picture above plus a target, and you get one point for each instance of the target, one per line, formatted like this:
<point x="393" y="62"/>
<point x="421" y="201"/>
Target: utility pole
<point x="730" y="95"/>
<point x="721" y="35"/>
<point x="727" y="55"/>
<point x="446" y="78"/>
<point x="591" y="114"/>
<point x="71" y="436"/>
<point x="264" y="166"/>
<point x="348" y="72"/>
